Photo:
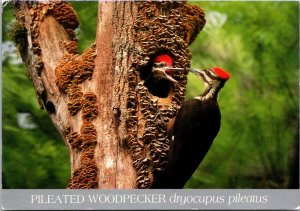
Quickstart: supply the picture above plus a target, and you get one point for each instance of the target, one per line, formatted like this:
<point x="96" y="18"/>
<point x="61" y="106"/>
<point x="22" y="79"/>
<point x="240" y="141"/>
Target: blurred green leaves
<point x="33" y="156"/>
<point x="258" y="44"/>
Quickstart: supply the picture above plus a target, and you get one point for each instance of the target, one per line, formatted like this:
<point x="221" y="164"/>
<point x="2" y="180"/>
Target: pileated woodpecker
<point x="157" y="75"/>
<point x="195" y="127"/>
<point x="162" y="67"/>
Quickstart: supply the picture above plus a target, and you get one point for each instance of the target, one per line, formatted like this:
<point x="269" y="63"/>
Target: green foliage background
<point x="257" y="42"/>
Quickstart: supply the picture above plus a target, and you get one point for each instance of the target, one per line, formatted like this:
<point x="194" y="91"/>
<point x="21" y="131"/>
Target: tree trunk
<point x="113" y="123"/>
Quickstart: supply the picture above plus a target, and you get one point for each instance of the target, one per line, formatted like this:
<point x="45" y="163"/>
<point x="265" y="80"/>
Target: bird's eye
<point x="159" y="64"/>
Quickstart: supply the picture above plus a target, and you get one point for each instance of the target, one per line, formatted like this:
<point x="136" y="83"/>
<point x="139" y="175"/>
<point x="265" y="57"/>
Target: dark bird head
<point x="214" y="79"/>
<point x="163" y="67"/>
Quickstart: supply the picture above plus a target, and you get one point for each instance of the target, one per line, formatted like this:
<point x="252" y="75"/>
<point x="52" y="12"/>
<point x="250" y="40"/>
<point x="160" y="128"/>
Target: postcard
<point x="154" y="105"/>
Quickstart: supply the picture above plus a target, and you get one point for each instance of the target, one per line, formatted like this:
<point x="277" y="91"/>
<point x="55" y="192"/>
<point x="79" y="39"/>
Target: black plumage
<point x="195" y="127"/>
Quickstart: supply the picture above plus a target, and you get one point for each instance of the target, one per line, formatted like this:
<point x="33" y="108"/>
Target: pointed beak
<point x="196" y="71"/>
<point x="174" y="69"/>
<point x="199" y="73"/>
<point x="164" y="72"/>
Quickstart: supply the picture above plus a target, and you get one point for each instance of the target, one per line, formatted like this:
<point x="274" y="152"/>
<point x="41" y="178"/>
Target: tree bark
<point x="113" y="123"/>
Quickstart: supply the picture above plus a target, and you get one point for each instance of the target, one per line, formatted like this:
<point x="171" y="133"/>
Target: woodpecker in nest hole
<point x="193" y="130"/>
<point x="158" y="77"/>
<point x="163" y="67"/>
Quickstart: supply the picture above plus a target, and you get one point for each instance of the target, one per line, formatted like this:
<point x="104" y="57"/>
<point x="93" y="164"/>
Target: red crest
<point x="221" y="73"/>
<point x="164" y="58"/>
